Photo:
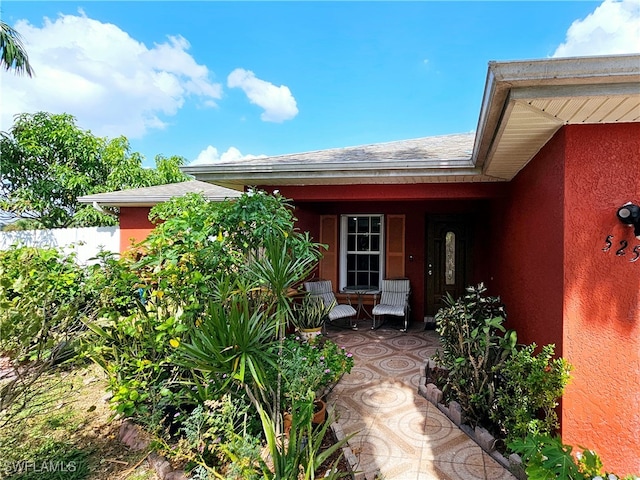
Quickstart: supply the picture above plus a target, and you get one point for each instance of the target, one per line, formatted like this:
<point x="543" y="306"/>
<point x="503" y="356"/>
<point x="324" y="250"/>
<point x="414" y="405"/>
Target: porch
<point x="400" y="435"/>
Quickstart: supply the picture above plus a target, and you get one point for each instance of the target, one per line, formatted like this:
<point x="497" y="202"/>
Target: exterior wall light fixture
<point x="629" y="214"/>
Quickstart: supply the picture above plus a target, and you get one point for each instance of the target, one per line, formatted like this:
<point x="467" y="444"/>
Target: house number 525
<point x="622" y="249"/>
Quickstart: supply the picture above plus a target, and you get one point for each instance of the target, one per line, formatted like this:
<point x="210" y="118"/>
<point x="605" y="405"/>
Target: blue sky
<point x="211" y="79"/>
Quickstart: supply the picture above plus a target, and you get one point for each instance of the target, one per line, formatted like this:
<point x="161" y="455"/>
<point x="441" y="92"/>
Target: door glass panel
<point x="450" y="259"/>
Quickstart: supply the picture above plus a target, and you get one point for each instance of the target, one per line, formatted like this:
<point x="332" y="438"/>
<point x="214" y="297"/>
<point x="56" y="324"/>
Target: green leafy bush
<point x="529" y="391"/>
<point x="475" y="345"/>
<point x="136" y="353"/>
<point x="219" y="437"/>
<point x="546" y="457"/>
<point x="311" y="367"/>
<point x="42" y="295"/>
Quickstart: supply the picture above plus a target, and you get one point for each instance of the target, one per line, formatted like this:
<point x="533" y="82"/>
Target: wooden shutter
<point x="329" y="261"/>
<point x="395" y="246"/>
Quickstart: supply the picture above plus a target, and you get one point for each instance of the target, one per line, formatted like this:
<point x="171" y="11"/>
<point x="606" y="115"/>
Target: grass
<point x="67" y="434"/>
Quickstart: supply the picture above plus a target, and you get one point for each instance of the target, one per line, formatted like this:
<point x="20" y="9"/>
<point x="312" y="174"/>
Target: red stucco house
<point x="525" y="204"/>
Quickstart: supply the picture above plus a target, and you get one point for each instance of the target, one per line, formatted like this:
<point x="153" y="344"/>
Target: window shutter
<point x="329" y="236"/>
<point x="395" y="246"/>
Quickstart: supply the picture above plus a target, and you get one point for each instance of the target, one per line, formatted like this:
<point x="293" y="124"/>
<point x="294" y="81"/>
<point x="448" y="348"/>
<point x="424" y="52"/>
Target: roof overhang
<point x="524" y="105"/>
<point x="424" y="160"/>
<point x="150" y="196"/>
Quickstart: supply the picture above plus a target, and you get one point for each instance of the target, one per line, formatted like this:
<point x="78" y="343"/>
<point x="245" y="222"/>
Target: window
<point x="450" y="258"/>
<point x="361" y="250"/>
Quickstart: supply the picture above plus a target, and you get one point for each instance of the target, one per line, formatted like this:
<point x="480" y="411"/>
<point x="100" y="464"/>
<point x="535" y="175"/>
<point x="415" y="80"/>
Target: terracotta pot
<point x="286" y="421"/>
<point x="319" y="412"/>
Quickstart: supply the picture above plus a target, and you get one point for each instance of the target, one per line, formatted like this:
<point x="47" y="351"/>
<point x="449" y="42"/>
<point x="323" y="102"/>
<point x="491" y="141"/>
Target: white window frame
<point x="343" y="245"/>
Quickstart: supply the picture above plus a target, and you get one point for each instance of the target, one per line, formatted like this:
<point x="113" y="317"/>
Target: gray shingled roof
<point x="149" y="196"/>
<point x="375" y="163"/>
<point x="438" y="150"/>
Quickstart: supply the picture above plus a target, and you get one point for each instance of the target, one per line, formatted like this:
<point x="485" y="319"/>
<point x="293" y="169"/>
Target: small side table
<point x="361" y="291"/>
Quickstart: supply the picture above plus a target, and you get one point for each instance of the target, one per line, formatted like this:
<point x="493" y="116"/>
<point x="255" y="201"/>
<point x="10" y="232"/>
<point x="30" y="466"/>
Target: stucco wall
<point x="560" y="287"/>
<point x="527" y="245"/>
<point x="602" y="294"/>
<point x="134" y="225"/>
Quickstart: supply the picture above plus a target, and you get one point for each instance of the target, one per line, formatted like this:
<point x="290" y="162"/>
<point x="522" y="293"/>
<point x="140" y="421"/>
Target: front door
<point x="448" y="262"/>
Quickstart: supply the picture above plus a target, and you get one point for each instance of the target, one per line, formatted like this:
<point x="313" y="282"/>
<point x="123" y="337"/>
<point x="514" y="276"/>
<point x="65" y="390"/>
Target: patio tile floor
<point x="399" y="435"/>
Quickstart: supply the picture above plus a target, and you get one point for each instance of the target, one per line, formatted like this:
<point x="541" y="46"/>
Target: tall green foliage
<point x="198" y="311"/>
<point x="530" y="386"/>
<point x="48" y="162"/>
<point x="498" y="384"/>
<point x="212" y="278"/>
<point x="475" y="344"/>
<point x="42" y="296"/>
<point x="546" y="457"/>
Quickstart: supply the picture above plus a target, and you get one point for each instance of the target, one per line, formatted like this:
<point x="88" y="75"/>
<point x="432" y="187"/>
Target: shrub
<point x="220" y="436"/>
<point x="530" y="388"/>
<point x="41" y="296"/>
<point x="173" y="285"/>
<point x="475" y="344"/>
<point x="311" y="367"/>
<point x="136" y="353"/>
<point x="546" y="457"/>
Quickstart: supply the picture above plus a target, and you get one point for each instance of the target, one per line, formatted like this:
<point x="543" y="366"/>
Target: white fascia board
<point x="336" y="168"/>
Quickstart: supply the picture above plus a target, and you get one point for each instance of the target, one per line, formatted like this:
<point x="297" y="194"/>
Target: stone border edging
<point x="349" y="456"/>
<point x="480" y="435"/>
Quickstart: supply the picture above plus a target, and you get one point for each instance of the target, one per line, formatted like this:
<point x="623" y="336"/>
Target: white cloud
<point x="112" y="83"/>
<point x="211" y="155"/>
<point x="277" y="102"/>
<point x="612" y="28"/>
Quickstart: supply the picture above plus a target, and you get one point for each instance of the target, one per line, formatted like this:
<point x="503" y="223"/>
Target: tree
<point x="13" y="55"/>
<point x="48" y="162"/>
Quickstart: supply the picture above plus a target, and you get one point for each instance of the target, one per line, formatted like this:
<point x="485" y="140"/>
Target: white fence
<point x="86" y="242"/>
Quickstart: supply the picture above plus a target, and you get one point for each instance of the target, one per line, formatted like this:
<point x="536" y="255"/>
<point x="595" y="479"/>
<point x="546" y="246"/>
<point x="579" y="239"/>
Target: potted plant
<point x="310" y="370"/>
<point x="310" y="315"/>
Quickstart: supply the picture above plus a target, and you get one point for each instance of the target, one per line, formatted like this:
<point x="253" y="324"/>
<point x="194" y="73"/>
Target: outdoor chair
<point x="324" y="290"/>
<point x="394" y="301"/>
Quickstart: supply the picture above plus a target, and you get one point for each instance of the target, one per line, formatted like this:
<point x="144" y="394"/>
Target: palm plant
<point x="13" y="55"/>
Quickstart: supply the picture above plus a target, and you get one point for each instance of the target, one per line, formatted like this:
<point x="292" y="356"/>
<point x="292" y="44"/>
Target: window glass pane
<point x="450" y="259"/>
<point x="375" y="224"/>
<point x="351" y="262"/>
<point x="351" y="243"/>
<point x="375" y="243"/>
<point x="363" y="262"/>
<point x="375" y="279"/>
<point x="351" y="225"/>
<point x="363" y="224"/>
<point x="375" y="262"/>
<point x="363" y="278"/>
<point x="351" y="278"/>
<point x="363" y="243"/>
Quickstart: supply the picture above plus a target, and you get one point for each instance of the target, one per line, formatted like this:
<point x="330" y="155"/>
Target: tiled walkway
<point x="400" y="434"/>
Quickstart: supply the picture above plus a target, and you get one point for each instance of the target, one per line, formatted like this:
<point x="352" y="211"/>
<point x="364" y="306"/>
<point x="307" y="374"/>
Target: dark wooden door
<point x="448" y="262"/>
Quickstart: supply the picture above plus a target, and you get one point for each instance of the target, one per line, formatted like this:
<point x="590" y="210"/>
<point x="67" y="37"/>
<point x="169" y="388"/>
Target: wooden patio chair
<point x="323" y="289"/>
<point x="394" y="301"/>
